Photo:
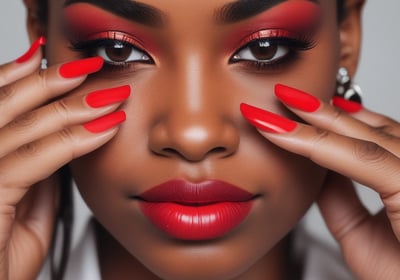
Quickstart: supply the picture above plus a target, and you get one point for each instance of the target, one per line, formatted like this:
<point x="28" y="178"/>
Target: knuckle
<point x="66" y="136"/>
<point x="42" y="75"/>
<point x="350" y="222"/>
<point x="61" y="108"/>
<point x="320" y="136"/>
<point x="4" y="75"/>
<point x="68" y="139"/>
<point x="371" y="152"/>
<point x="6" y="92"/>
<point x="24" y="121"/>
<point x="318" y="140"/>
<point x="8" y="211"/>
<point x="392" y="205"/>
<point x="384" y="131"/>
<point x="28" y="150"/>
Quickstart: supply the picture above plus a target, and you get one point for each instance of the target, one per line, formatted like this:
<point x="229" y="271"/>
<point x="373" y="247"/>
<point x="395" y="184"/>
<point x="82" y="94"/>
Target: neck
<point x="117" y="263"/>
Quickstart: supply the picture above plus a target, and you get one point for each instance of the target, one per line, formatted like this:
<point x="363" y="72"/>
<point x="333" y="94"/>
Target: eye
<point x="265" y="51"/>
<point x="117" y="52"/>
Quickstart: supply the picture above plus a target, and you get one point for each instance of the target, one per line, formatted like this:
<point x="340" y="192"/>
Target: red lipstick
<point x="196" y="211"/>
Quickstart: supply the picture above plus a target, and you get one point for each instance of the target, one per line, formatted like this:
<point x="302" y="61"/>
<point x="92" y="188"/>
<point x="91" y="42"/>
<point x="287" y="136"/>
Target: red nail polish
<point x="106" y="97"/>
<point x="81" y="67"/>
<point x="297" y="99"/>
<point x="106" y="122"/>
<point x="41" y="41"/>
<point x="267" y="121"/>
<point x="346" y="105"/>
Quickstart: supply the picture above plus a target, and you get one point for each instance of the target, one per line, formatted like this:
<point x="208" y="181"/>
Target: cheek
<point x="288" y="184"/>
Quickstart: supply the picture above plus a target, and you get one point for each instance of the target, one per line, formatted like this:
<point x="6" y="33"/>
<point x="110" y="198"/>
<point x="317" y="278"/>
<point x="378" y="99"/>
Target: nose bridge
<point x="195" y="124"/>
<point x="194" y="83"/>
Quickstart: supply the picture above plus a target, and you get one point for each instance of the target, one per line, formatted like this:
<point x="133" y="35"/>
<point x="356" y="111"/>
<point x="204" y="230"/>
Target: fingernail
<point x="346" y="105"/>
<point x="41" y="41"/>
<point x="297" y="99"/>
<point x="109" y="96"/>
<point x="267" y="121"/>
<point x="81" y="67"/>
<point x="106" y="122"/>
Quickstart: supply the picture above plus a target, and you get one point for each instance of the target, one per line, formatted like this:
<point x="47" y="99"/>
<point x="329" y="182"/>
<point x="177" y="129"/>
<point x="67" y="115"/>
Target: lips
<point x="196" y="211"/>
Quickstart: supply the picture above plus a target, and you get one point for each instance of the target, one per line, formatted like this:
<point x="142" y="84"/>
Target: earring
<point x="345" y="87"/>
<point x="44" y="64"/>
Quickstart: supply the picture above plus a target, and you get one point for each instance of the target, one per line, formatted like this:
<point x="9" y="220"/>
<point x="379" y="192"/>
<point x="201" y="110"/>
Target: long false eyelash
<point x="295" y="45"/>
<point x="88" y="49"/>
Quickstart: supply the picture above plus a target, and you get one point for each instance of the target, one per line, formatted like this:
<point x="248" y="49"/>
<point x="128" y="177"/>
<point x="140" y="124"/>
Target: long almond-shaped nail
<point x="106" y="122"/>
<point x="81" y="67"/>
<point x="267" y="121"/>
<point x="296" y="98"/>
<point x="109" y="96"/>
<point x="41" y="41"/>
<point x="346" y="105"/>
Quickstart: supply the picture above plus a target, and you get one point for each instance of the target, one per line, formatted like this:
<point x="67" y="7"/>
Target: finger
<point x="340" y="207"/>
<point x="33" y="229"/>
<point x="327" y="117"/>
<point x="363" y="161"/>
<point x="383" y="123"/>
<point x="42" y="86"/>
<point x="361" y="236"/>
<point x="24" y="65"/>
<point x="62" y="113"/>
<point x="52" y="152"/>
<point x="37" y="211"/>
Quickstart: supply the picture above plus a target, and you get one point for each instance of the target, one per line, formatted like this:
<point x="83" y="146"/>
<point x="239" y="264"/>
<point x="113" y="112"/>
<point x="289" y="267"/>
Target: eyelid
<point x="270" y="34"/>
<point x="118" y="36"/>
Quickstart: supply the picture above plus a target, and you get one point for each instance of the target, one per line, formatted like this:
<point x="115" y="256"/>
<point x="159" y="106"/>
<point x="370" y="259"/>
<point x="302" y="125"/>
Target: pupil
<point x="118" y="52"/>
<point x="263" y="50"/>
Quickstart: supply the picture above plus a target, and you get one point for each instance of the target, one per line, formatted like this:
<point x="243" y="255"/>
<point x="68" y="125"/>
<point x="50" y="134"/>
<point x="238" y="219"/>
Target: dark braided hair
<point x="65" y="213"/>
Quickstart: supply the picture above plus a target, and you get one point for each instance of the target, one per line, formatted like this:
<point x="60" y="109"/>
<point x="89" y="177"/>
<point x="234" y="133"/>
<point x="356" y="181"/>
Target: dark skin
<point x="162" y="118"/>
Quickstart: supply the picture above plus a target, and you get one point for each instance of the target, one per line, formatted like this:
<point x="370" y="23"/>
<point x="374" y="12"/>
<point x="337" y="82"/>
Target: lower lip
<point x="205" y="222"/>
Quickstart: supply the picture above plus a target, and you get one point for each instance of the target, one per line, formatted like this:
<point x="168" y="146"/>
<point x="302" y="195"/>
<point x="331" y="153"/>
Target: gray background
<point x="378" y="73"/>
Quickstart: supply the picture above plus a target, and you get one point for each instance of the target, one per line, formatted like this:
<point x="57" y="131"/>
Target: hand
<point x="42" y="129"/>
<point x="363" y="146"/>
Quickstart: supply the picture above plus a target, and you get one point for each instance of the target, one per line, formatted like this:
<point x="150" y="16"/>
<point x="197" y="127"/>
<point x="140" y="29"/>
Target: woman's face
<point x="188" y="186"/>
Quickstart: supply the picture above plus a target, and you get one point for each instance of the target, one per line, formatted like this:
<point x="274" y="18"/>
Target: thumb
<point x="340" y="206"/>
<point x="367" y="242"/>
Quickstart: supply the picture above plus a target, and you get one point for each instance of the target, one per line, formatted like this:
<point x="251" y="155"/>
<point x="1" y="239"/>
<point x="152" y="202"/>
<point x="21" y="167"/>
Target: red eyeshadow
<point x="295" y="16"/>
<point x="85" y="21"/>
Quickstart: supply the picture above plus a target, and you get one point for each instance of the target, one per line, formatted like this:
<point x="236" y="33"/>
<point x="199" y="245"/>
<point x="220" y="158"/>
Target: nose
<point x="198" y="119"/>
<point x="192" y="137"/>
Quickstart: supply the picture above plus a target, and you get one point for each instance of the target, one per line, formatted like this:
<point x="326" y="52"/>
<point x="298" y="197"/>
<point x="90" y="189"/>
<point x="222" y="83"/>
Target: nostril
<point x="194" y="141"/>
<point x="170" y="152"/>
<point x="218" y="150"/>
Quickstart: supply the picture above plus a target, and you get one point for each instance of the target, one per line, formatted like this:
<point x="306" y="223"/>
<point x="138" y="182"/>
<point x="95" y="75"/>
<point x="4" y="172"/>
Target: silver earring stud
<point x="345" y="87"/>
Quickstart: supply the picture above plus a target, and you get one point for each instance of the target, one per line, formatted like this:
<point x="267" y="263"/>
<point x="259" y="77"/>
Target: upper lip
<point x="206" y="192"/>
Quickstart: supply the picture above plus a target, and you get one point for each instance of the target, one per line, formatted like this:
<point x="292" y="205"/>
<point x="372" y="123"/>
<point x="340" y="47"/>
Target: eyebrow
<point x="244" y="9"/>
<point x="132" y="10"/>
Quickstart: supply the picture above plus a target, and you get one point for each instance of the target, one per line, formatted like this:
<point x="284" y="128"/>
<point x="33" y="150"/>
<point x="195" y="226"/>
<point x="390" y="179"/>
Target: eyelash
<point x="115" y="40"/>
<point x="294" y="44"/>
